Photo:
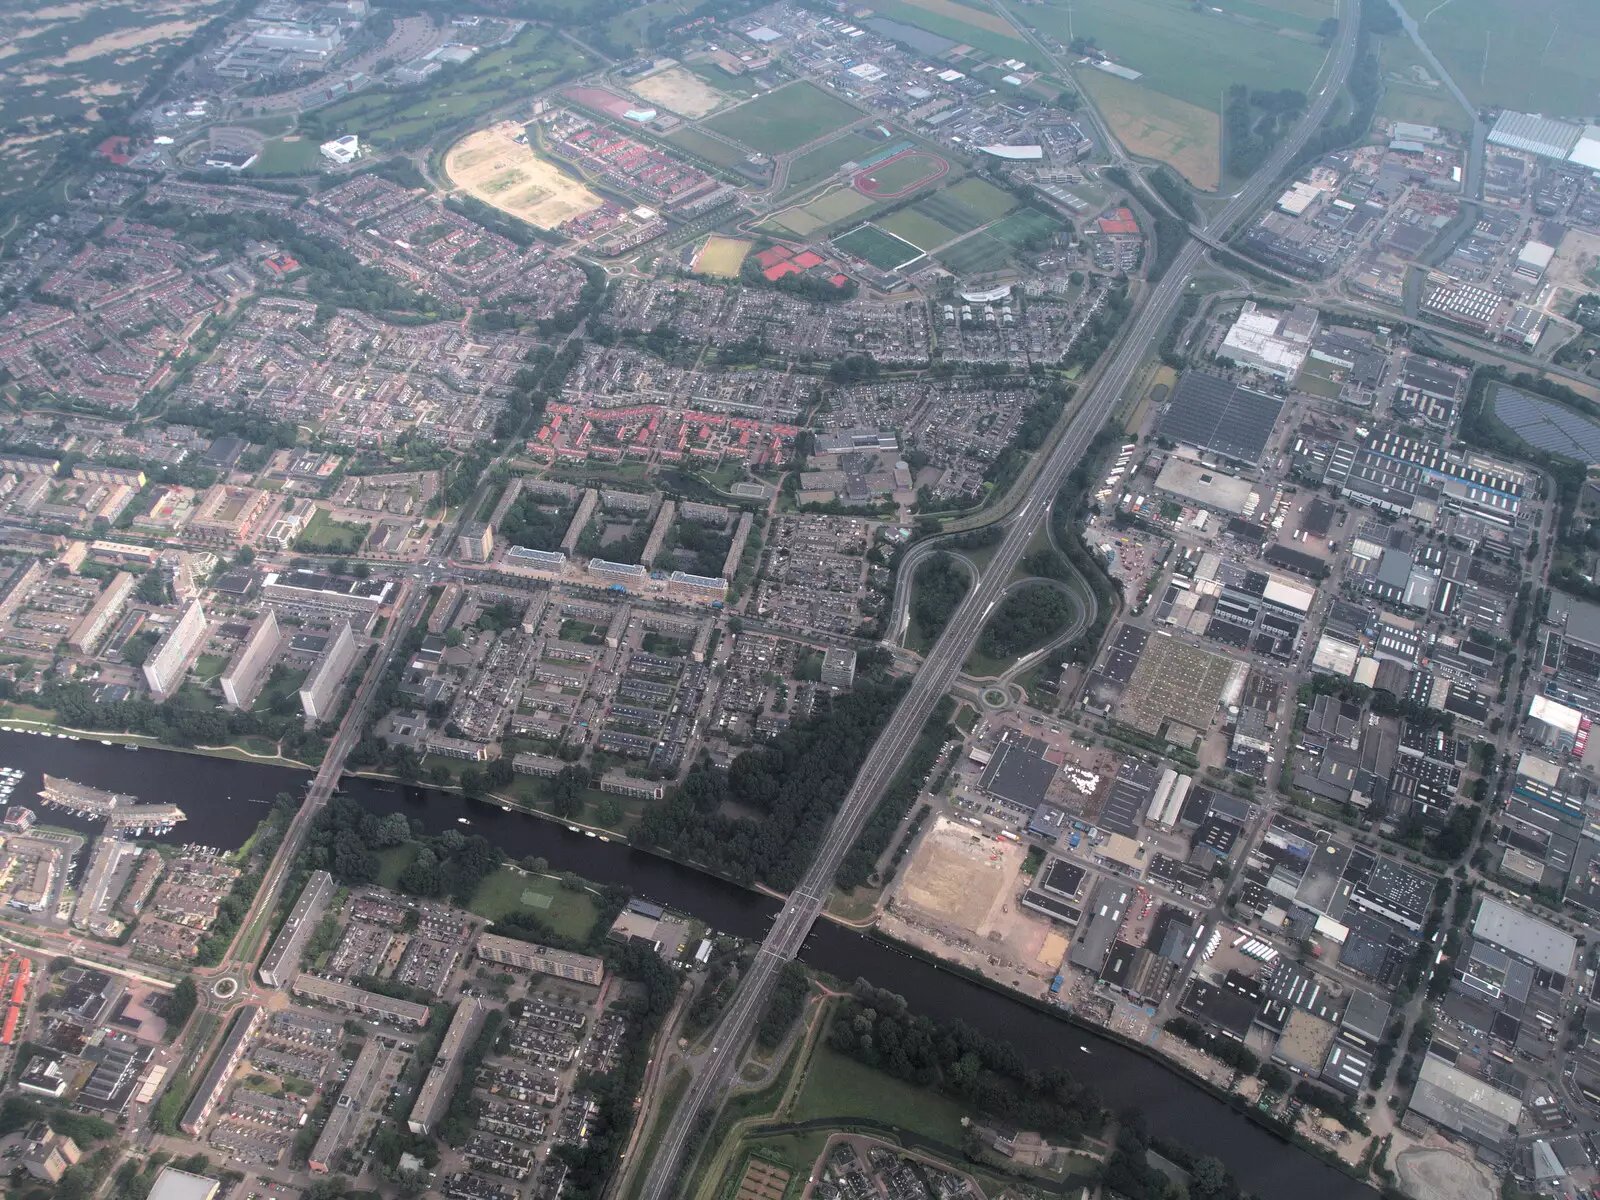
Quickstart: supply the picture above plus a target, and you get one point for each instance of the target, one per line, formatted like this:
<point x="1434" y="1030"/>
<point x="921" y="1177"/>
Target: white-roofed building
<point x="1534" y="259"/>
<point x="342" y="150"/>
<point x="1015" y="153"/>
<point x="1276" y="343"/>
<point x="1534" y="134"/>
<point x="1587" y="152"/>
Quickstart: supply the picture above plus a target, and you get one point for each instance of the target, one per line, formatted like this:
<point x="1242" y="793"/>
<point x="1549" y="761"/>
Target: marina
<point x="123" y="814"/>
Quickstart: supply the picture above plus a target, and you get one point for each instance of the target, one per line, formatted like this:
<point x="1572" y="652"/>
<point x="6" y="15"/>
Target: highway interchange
<point x="944" y="661"/>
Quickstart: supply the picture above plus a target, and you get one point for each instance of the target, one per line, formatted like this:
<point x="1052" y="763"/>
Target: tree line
<point x="1029" y="616"/>
<point x="939" y="586"/>
<point x="874" y="1027"/>
<point x="790" y="788"/>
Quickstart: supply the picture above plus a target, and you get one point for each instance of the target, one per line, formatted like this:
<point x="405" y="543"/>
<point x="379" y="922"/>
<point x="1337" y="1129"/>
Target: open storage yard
<point x="785" y="119"/>
<point x="958" y="877"/>
<point x="492" y="166"/>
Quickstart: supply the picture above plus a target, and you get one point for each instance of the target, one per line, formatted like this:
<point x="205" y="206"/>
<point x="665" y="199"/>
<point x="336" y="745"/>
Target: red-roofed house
<point x="807" y="259"/>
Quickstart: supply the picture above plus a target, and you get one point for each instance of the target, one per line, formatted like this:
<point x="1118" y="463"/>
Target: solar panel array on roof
<point x="1217" y="414"/>
<point x="1547" y="425"/>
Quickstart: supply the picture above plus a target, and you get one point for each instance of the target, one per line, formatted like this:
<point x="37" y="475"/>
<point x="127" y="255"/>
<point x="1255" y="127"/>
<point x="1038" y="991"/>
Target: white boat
<point x="589" y="833"/>
<point x="63" y="737"/>
<point x="462" y="821"/>
<point x="505" y="808"/>
<point x="106" y="742"/>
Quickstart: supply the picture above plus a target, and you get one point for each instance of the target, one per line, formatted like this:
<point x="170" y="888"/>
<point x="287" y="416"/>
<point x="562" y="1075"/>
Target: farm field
<point x="785" y="119"/>
<point x="900" y="175"/>
<point x="871" y="244"/>
<point x="1405" y="97"/>
<point x="490" y="165"/>
<point x="406" y="119"/>
<point x="717" y="153"/>
<point x="678" y="91"/>
<point x="826" y="159"/>
<point x="960" y="23"/>
<point x="722" y="256"/>
<point x="288" y="156"/>
<point x="1186" y="137"/>
<point x="1189" y="55"/>
<point x="1534" y="55"/>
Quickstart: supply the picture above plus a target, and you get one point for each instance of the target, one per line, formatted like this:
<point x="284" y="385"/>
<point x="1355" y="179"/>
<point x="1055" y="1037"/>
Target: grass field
<point x="712" y="151"/>
<point x="283" y="681"/>
<point x="1189" y="53"/>
<point x="1019" y="227"/>
<point x="288" y="156"/>
<point x="829" y="209"/>
<point x="722" y="256"/>
<point x="960" y="23"/>
<point x="922" y="231"/>
<point x="324" y="535"/>
<point x="507" y="891"/>
<point x="391" y="861"/>
<point x="873" y="245"/>
<point x="1534" y="55"/>
<point x="951" y="214"/>
<point x="983" y="200"/>
<point x="409" y="118"/>
<point x="826" y="159"/>
<point x="492" y="166"/>
<point x="784" y="119"/>
<point x="836" y="1086"/>
<point x="1406" y="97"/>
<point x="975" y="254"/>
<point x="1185" y="136"/>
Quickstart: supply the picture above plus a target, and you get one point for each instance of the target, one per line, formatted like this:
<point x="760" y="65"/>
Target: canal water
<point x="225" y="799"/>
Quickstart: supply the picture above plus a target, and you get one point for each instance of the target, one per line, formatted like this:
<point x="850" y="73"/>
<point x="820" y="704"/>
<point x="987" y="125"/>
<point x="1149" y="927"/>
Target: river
<point x="225" y="799"/>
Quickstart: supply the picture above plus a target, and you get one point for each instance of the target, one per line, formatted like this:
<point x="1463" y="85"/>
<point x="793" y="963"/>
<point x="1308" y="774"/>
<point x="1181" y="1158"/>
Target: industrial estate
<point x="589" y="503"/>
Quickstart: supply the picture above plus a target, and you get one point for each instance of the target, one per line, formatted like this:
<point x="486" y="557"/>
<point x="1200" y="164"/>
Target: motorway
<point x="944" y="661"/>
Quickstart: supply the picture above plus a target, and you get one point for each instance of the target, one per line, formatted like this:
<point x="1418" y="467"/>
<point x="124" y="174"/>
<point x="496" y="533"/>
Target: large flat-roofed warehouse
<point x="1525" y="936"/>
<point x="1465" y="1104"/>
<point x="1019" y="774"/>
<point x="1206" y="486"/>
<point x="1219" y="415"/>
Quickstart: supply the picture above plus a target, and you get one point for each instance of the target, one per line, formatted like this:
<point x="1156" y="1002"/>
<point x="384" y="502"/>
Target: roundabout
<point x="225" y="988"/>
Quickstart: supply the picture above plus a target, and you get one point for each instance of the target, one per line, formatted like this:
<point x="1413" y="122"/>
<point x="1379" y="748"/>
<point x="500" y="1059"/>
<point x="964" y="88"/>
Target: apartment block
<point x="320" y="693"/>
<point x="248" y="667"/>
<point x="164" y="669"/>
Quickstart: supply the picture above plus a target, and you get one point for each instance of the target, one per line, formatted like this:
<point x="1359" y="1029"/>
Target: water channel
<point x="225" y="799"/>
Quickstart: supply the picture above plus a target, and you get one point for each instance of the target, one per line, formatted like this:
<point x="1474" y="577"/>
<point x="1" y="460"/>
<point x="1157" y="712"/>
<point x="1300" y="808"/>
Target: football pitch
<point x="873" y="245"/>
<point x="783" y="120"/>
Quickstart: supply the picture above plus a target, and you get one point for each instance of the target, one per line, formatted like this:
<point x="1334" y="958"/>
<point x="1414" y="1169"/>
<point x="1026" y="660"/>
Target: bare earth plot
<point x="492" y="166"/>
<point x="1443" y="1175"/>
<point x="1185" y="136"/>
<point x="959" y="878"/>
<point x="681" y="92"/>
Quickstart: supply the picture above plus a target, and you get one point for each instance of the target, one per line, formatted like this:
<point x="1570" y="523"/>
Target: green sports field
<point x="873" y="245"/>
<point x="708" y="148"/>
<point x="1190" y="53"/>
<point x="976" y="253"/>
<point x="784" y="119"/>
<point x="826" y="159"/>
<point x="913" y="226"/>
<point x="1016" y="230"/>
<point x="901" y="175"/>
